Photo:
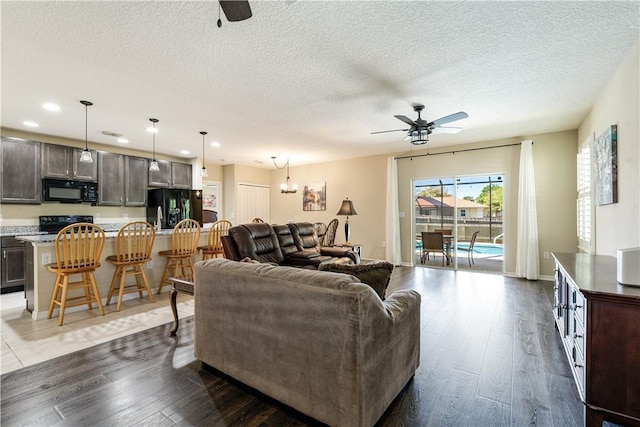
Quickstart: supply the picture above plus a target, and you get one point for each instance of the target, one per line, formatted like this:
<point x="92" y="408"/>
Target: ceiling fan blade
<point x="236" y="10"/>
<point x="447" y="129"/>
<point x="450" y="118"/>
<point x="395" y="130"/>
<point x="407" y="120"/>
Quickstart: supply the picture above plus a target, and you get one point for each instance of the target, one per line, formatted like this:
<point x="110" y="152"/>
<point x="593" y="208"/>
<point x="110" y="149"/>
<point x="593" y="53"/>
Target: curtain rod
<point x="456" y="151"/>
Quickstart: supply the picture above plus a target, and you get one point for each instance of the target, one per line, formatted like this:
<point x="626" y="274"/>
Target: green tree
<point x="496" y="198"/>
<point x="469" y="198"/>
<point x="432" y="191"/>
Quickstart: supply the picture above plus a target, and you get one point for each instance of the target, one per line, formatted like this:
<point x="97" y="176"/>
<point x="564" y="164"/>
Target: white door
<point x="254" y="201"/>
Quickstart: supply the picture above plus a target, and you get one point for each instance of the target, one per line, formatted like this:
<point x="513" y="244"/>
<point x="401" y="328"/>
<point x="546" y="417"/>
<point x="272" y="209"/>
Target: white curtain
<point x="527" y="262"/>
<point x="392" y="233"/>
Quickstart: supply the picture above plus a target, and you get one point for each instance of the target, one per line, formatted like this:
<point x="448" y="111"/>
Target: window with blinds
<point x="584" y="205"/>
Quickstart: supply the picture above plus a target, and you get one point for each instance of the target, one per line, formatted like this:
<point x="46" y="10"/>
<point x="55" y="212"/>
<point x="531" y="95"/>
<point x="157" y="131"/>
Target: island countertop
<point x="40" y="251"/>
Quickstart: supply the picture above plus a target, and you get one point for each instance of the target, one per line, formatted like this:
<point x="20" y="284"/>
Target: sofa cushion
<point x="376" y="274"/>
<point x="257" y="241"/>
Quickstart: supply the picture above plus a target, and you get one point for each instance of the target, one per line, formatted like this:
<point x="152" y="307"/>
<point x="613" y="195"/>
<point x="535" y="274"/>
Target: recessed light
<point x="123" y="140"/>
<point x="184" y="151"/>
<point x="51" y="106"/>
<point x="31" y="124"/>
<point x="215" y="144"/>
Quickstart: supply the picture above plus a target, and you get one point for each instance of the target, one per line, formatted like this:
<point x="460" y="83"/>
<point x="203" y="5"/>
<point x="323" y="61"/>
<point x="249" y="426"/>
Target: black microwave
<point x="61" y="190"/>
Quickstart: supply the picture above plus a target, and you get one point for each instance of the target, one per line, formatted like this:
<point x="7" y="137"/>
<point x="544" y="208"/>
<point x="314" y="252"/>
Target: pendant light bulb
<point x="86" y="154"/>
<point x="203" y="171"/>
<point x="154" y="166"/>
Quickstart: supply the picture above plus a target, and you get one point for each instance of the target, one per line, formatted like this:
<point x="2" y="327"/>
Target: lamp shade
<point x="347" y="208"/>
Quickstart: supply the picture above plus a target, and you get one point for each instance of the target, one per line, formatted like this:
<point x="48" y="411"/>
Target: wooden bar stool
<point x="214" y="239"/>
<point x="184" y="244"/>
<point x="78" y="250"/>
<point x="134" y="244"/>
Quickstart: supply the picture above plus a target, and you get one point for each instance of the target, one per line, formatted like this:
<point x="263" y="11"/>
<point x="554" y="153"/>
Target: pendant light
<point x="203" y="171"/>
<point x="153" y="166"/>
<point x="86" y="154"/>
<point x="287" y="187"/>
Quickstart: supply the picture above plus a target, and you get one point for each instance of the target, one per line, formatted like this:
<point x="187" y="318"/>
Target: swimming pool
<point x="482" y="248"/>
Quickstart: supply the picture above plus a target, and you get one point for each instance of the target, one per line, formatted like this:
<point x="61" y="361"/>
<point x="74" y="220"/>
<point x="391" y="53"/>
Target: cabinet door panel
<point x="56" y="160"/>
<point x="161" y="178"/>
<point x="136" y="175"/>
<point x="180" y="175"/>
<point x="111" y="179"/>
<point x="20" y="180"/>
<point x="85" y="171"/>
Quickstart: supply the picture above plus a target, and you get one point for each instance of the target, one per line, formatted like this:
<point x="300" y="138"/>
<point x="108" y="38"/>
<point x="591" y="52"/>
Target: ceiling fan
<point x="235" y="10"/>
<point x="421" y="129"/>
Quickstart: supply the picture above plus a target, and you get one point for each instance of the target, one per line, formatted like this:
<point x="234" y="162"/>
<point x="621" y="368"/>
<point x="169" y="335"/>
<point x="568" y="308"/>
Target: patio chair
<point x="470" y="249"/>
<point x="432" y="242"/>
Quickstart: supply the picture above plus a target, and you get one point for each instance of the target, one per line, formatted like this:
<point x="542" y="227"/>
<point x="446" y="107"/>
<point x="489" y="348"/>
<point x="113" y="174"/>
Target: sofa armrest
<point x="340" y="252"/>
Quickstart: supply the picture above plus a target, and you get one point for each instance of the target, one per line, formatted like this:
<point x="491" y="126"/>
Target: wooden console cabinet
<point x="599" y="323"/>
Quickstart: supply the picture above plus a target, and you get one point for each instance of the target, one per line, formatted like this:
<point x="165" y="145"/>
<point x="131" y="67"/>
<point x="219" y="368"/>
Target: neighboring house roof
<point x="424" y="203"/>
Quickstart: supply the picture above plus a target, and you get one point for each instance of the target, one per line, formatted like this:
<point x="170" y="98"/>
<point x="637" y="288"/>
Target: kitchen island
<point x="40" y="251"/>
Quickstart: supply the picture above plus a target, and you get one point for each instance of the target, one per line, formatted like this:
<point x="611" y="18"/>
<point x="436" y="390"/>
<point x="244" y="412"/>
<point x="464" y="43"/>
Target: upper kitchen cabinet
<point x="110" y="179"/>
<point x="122" y="180"/>
<point x="136" y="178"/>
<point x="20" y="180"/>
<point x="161" y="178"/>
<point x="180" y="175"/>
<point x="171" y="174"/>
<point x="63" y="162"/>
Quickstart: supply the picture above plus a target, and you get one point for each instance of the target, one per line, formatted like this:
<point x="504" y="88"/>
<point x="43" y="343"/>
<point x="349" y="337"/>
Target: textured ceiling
<point x="308" y="80"/>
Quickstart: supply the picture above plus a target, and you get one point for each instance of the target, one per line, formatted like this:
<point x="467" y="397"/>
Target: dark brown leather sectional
<point x="294" y="244"/>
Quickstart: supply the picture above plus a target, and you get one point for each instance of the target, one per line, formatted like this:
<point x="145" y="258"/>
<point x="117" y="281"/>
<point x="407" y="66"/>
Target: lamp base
<point x="347" y="231"/>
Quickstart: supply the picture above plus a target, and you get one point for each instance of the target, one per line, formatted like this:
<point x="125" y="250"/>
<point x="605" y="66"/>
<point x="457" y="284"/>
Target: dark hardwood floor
<point x="489" y="357"/>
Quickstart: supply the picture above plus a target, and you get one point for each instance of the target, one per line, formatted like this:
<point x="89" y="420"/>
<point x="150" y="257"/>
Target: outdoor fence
<point x="488" y="228"/>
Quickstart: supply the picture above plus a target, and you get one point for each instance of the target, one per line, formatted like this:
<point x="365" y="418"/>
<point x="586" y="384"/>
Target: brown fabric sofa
<point x="320" y="342"/>
<point x="289" y="244"/>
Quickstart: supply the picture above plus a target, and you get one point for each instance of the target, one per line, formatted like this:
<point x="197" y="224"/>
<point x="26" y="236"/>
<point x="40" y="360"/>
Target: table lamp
<point x="347" y="209"/>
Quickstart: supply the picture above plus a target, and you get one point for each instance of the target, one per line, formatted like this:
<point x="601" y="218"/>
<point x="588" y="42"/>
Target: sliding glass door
<point x="467" y="211"/>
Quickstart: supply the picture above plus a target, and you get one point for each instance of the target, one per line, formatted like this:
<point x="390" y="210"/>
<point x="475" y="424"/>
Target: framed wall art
<point x="605" y="158"/>
<point x="314" y="197"/>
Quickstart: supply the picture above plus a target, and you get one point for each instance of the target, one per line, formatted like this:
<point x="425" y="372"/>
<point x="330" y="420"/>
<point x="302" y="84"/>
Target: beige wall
<point x="362" y="180"/>
<point x="618" y="225"/>
<point x="233" y="175"/>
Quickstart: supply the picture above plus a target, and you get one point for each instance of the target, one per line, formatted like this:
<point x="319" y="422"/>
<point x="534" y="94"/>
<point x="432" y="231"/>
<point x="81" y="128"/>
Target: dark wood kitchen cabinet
<point x="20" y="180"/>
<point x="162" y="177"/>
<point x="180" y="175"/>
<point x="63" y="162"/>
<point x="122" y="180"/>
<point x="136" y="173"/>
<point x="171" y="175"/>
<point x="598" y="320"/>
<point x="13" y="265"/>
<point x="110" y="179"/>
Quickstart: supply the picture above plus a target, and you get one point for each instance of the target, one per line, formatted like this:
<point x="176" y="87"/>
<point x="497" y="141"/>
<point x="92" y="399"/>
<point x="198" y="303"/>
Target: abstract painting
<point x="605" y="157"/>
<point x="314" y="197"/>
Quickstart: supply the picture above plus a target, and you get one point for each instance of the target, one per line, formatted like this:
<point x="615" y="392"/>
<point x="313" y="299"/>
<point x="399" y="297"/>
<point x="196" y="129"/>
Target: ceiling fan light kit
<point x="419" y="130"/>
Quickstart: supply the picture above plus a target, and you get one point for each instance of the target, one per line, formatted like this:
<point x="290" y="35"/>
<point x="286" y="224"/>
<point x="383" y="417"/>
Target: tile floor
<point x="26" y="341"/>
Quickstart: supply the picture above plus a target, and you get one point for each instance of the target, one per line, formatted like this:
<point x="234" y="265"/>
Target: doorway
<point x="468" y="211"/>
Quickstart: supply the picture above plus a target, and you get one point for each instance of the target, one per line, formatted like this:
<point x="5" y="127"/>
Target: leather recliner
<point x="279" y="244"/>
<point x="306" y="239"/>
